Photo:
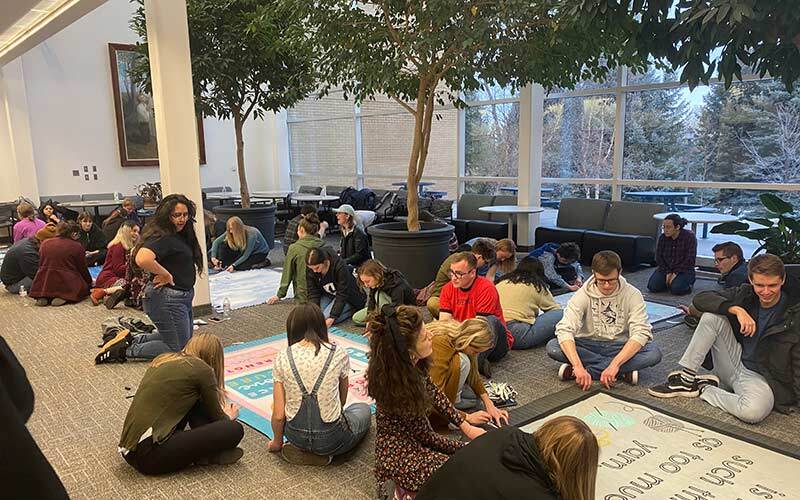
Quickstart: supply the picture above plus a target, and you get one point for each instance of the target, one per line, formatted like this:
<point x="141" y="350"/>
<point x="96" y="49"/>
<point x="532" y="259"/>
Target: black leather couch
<point x="625" y="227"/>
<point x="472" y="223"/>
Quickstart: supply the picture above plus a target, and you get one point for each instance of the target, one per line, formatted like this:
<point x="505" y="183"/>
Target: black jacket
<point x="94" y="240"/>
<point x="501" y="464"/>
<point x="21" y="260"/>
<point x="778" y="350"/>
<point x="355" y="247"/>
<point x="338" y="281"/>
<point x="396" y="287"/>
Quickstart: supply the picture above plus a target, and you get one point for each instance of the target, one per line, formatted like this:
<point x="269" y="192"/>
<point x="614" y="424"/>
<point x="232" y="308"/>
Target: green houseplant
<point x="780" y="234"/>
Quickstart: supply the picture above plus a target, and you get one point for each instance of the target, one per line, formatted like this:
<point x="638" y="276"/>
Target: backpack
<point x="363" y="199"/>
<point x="539" y="251"/>
<point x="346" y="196"/>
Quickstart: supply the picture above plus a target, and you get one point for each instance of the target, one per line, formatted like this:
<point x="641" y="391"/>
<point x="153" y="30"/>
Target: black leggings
<point x="228" y="256"/>
<point x="500" y="348"/>
<point x="185" y="447"/>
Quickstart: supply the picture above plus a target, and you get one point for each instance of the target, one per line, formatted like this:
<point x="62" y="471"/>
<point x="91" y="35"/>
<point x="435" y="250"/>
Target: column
<point x="18" y="175"/>
<point x="171" y="70"/>
<point x="529" y="172"/>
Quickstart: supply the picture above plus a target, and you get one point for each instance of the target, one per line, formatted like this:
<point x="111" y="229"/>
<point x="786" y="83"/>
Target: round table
<point x="512" y="211"/>
<point x="96" y="204"/>
<point x="275" y="195"/>
<point x="695" y="218"/>
<point x="314" y="198"/>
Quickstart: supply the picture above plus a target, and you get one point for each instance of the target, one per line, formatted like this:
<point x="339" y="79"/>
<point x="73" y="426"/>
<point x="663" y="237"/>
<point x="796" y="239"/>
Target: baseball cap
<point x="346" y="209"/>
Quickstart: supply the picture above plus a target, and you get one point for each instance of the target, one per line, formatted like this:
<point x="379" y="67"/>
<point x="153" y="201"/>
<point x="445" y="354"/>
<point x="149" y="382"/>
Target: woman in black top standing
<point x="171" y="255"/>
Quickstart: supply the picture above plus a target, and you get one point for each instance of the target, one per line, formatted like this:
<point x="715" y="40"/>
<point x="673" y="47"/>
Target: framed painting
<point x="136" y="125"/>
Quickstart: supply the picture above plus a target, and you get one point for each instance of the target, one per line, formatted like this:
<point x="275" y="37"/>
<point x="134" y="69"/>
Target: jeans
<point x="542" y="330"/>
<point x="465" y="397"/>
<point x="14" y="288"/>
<point x="170" y="310"/>
<point x="500" y="348"/>
<point x="353" y="426"/>
<point x="596" y="355"/>
<point x="183" y="448"/>
<point x="743" y="393"/>
<point x="326" y="304"/>
<point x="381" y="299"/>
<point x="681" y="284"/>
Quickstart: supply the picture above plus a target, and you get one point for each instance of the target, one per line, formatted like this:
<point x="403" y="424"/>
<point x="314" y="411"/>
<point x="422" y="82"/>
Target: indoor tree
<point x="424" y="53"/>
<point x="249" y="57"/>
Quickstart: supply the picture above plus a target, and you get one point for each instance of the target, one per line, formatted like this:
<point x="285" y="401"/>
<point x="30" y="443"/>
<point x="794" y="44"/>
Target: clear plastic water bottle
<point x="226" y="308"/>
<point x="23" y="294"/>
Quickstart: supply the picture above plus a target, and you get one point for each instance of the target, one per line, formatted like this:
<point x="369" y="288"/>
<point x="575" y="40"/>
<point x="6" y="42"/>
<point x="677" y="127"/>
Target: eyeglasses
<point x="178" y="216"/>
<point x="719" y="260"/>
<point x="612" y="281"/>
<point x="458" y="274"/>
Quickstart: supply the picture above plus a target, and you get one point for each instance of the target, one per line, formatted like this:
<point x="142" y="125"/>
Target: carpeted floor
<point x="80" y="407"/>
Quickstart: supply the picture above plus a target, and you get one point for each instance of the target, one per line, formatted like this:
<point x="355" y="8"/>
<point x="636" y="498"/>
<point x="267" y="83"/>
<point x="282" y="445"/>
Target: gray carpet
<point x="80" y="407"/>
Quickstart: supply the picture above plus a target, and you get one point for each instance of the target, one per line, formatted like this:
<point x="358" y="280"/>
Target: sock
<point x="688" y="376"/>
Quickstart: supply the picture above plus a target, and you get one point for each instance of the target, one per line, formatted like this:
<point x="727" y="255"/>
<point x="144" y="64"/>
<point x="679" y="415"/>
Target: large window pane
<point x="332" y="105"/>
<point x="492" y="140"/>
<point x="323" y="151"/>
<point x="578" y="137"/>
<point x="590" y="83"/>
<point x="490" y="92"/>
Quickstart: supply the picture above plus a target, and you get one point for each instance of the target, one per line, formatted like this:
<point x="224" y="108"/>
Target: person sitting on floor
<point x="62" y="276"/>
<point x="125" y="212"/>
<point x="753" y="337"/>
<point x="505" y="254"/>
<point x="484" y="254"/>
<point x="468" y="296"/>
<point x="332" y="286"/>
<point x="21" y="261"/>
<point x="111" y="280"/>
<point x="407" y="449"/>
<point x="92" y="239"/>
<point x="180" y="389"/>
<point x="384" y="286"/>
<point x="605" y="333"/>
<point x="28" y="222"/>
<point x="454" y="368"/>
<point x="48" y="213"/>
<point x="676" y="252"/>
<point x="294" y="267"/>
<point x="729" y="261"/>
<point x="311" y="384"/>
<point x="290" y="235"/>
<point x="241" y="248"/>
<point x="530" y="311"/>
<point x="557" y="462"/>
<point x="354" y="248"/>
<point x="562" y="266"/>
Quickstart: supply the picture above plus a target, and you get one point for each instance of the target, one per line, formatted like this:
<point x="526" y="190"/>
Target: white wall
<point x="72" y="120"/>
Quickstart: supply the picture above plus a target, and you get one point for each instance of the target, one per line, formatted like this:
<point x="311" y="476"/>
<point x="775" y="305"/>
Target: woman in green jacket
<point x="294" y="268"/>
<point x="181" y="388"/>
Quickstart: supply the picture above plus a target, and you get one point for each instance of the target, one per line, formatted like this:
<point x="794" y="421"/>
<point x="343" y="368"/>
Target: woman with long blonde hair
<point x="240" y="248"/>
<point x="556" y="462"/>
<point x="180" y="388"/>
<point x="111" y="280"/>
<point x="454" y="367"/>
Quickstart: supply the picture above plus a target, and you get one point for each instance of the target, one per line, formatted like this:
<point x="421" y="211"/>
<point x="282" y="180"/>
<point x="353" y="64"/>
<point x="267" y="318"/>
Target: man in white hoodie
<point x="605" y="333"/>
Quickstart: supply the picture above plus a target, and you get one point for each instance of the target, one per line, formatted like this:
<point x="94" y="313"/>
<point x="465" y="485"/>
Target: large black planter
<point x="261" y="217"/>
<point x="417" y="255"/>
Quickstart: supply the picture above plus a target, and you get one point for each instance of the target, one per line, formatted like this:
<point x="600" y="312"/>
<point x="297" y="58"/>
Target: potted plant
<point x="249" y="57"/>
<point x="150" y="193"/>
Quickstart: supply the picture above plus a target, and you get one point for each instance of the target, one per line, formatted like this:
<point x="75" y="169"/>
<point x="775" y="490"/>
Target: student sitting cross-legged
<point x="676" y="252"/>
<point x="407" y="449"/>
<point x="384" y="286"/>
<point x="180" y="389"/>
<point x="332" y="286"/>
<point x="752" y="335"/>
<point x="605" y="333"/>
<point x="241" y="248"/>
<point x="311" y="382"/>
<point x="294" y="267"/>
<point x="557" y="462"/>
<point x="561" y="264"/>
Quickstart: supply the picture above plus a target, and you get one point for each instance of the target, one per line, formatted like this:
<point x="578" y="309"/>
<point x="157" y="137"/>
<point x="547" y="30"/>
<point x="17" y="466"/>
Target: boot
<point x="97" y="295"/>
<point x="115" y="298"/>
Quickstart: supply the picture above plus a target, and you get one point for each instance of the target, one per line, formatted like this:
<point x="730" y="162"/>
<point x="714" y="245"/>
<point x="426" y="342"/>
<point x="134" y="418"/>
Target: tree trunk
<point x="238" y="124"/>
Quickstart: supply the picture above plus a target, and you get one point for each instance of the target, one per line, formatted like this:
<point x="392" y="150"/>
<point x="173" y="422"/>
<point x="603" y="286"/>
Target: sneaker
<point x="58" y="301"/>
<point x="565" y="372"/>
<point x="675" y="386"/>
<point x="501" y="394"/>
<point x="41" y="302"/>
<point x="691" y="321"/>
<point x="631" y="377"/>
<point x="112" y="300"/>
<point x="296" y="456"/>
<point x="113" y="350"/>
<point x="226" y="457"/>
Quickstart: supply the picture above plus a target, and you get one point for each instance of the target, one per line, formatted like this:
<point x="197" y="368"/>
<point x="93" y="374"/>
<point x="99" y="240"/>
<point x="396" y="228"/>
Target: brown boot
<point x="97" y="295"/>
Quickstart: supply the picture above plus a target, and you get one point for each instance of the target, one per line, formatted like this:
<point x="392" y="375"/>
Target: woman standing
<point x="241" y="248"/>
<point x="180" y="389"/>
<point x="407" y="449"/>
<point x="62" y="276"/>
<point x="111" y="280"/>
<point x="454" y="368"/>
<point x="556" y="462"/>
<point x="294" y="267"/>
<point x="530" y="311"/>
<point x="28" y="223"/>
<point x="311" y="386"/>
<point x="354" y="248"/>
<point x="384" y="287"/>
<point x="170" y="253"/>
<point x="92" y="239"/>
<point x="332" y="286"/>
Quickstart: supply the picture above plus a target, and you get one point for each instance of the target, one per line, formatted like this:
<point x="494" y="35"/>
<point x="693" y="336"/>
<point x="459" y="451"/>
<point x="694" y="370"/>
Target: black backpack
<point x="363" y="199"/>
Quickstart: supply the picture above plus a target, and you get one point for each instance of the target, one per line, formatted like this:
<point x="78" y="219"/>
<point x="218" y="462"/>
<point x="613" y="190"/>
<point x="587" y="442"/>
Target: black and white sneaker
<point x="113" y="351"/>
<point x="565" y="372"/>
<point x="111" y="333"/>
<point x="676" y="386"/>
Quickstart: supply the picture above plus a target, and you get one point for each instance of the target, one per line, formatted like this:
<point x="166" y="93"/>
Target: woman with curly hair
<point x="407" y="449"/>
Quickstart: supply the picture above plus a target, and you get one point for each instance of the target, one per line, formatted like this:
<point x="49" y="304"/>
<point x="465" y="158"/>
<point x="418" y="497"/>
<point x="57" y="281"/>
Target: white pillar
<point x="529" y="170"/>
<point x="176" y="126"/>
<point x="619" y="134"/>
<point x="18" y="176"/>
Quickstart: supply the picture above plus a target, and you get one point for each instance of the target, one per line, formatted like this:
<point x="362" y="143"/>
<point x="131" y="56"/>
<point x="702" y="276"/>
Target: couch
<point x="472" y="223"/>
<point x="625" y="227"/>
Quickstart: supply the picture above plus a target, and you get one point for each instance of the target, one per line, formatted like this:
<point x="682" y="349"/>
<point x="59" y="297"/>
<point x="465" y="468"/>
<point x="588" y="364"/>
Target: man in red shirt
<point x="468" y="295"/>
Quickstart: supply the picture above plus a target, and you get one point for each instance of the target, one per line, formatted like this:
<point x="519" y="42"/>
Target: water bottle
<point x="226" y="308"/>
<point x="23" y="294"/>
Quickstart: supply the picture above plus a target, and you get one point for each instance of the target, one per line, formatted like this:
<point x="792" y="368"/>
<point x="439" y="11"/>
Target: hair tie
<point x="399" y="342"/>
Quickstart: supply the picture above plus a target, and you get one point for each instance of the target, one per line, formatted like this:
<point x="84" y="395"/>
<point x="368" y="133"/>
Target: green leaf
<point x="775" y="204"/>
<point x="733" y="227"/>
<point x="762" y="221"/>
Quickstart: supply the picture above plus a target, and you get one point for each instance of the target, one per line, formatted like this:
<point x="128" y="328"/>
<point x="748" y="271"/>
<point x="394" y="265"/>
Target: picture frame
<point x="134" y="114"/>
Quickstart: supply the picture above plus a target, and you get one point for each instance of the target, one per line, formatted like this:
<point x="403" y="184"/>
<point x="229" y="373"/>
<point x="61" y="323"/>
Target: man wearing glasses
<point x="467" y="296"/>
<point x="605" y="333"/>
<point x="729" y="261"/>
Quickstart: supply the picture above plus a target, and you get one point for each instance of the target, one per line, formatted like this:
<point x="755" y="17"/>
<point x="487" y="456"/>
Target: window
<point x="492" y="140"/>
